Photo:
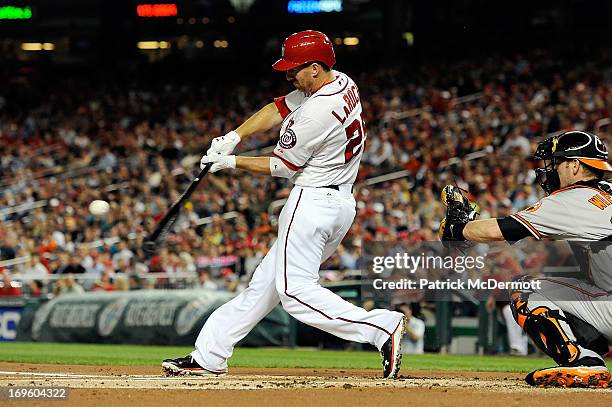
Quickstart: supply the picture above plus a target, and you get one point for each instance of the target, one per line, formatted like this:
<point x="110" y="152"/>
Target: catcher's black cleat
<point x="588" y="372"/>
<point x="391" y="352"/>
<point x="187" y="366"/>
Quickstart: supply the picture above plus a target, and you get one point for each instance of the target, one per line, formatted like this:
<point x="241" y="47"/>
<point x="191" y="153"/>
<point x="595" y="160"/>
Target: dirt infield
<point x="145" y="386"/>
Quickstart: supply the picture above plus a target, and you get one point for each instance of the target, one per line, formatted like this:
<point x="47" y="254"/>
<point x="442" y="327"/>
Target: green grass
<point x="91" y="354"/>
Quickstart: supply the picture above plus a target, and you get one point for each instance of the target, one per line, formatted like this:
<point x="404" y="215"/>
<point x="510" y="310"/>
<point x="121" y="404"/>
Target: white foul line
<point x="84" y="376"/>
<point x="53" y="374"/>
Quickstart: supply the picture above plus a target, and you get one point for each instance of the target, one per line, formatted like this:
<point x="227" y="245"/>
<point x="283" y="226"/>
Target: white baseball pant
<point x="312" y="224"/>
<point x="517" y="339"/>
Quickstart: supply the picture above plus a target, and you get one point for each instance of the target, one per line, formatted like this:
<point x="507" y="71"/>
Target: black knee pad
<point x="587" y="335"/>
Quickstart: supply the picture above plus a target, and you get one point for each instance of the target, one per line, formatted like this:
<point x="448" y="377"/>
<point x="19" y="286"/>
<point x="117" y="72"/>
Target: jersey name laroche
<point x="322" y="136"/>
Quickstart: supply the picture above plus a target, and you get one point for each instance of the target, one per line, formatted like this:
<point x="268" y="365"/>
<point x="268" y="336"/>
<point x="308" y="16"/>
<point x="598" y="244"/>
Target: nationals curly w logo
<point x="288" y="139"/>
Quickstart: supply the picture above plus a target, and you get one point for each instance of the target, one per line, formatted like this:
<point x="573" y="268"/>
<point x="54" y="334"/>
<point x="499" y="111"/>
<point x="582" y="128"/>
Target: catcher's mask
<point x="585" y="147"/>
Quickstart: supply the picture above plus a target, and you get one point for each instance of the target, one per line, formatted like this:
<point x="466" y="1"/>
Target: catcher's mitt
<point x="459" y="211"/>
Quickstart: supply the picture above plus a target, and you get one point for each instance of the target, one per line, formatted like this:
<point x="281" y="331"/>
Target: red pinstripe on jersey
<point x="304" y="303"/>
<point x="282" y="107"/>
<point x="289" y="165"/>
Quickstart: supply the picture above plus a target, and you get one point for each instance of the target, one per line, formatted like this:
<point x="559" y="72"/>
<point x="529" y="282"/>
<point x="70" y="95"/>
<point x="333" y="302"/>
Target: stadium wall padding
<point x="148" y="317"/>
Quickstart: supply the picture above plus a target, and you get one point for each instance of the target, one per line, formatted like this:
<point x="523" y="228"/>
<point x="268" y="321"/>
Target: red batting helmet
<point x="303" y="47"/>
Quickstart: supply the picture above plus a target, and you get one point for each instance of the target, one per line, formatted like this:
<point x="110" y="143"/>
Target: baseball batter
<point x="321" y="142"/>
<point x="569" y="319"/>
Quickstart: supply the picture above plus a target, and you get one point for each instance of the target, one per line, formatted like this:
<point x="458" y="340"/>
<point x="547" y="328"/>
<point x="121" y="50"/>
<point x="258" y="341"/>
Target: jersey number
<point x="355" y="133"/>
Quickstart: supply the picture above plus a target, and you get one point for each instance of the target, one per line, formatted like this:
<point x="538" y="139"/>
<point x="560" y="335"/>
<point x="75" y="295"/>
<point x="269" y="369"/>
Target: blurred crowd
<point x="474" y="123"/>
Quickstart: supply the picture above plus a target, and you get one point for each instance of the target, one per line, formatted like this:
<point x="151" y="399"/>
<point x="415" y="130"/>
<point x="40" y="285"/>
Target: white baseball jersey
<point x="582" y="215"/>
<point x="322" y="136"/>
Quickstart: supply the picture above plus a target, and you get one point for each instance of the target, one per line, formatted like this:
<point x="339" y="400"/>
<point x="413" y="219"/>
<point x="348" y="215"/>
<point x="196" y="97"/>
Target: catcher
<point x="569" y="319"/>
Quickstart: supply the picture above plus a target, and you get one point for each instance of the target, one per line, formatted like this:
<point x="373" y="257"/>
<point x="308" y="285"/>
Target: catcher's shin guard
<point x="545" y="327"/>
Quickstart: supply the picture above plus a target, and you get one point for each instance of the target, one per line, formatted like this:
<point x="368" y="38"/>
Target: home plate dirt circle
<point x="133" y="385"/>
<point x="238" y="382"/>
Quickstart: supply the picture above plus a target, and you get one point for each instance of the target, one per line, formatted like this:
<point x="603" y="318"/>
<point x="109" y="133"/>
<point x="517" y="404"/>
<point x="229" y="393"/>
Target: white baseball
<point x="99" y="207"/>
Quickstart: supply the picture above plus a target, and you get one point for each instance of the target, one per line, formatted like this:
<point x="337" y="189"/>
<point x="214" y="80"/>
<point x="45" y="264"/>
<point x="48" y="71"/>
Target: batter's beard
<point x="302" y="90"/>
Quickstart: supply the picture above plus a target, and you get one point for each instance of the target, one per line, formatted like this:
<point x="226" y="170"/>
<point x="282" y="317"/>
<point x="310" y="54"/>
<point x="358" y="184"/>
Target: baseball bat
<point x="164" y="225"/>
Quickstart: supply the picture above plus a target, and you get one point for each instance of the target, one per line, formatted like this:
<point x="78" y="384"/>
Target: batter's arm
<point x="257" y="165"/>
<point x="265" y="165"/>
<point x="264" y="119"/>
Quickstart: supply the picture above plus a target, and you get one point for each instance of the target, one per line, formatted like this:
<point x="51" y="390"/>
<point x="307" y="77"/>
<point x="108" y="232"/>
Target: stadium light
<point x="242" y="6"/>
<point x="313" y="6"/>
<point x="37" y="46"/>
<point x="157" y="10"/>
<point x="409" y="38"/>
<point x="147" y="45"/>
<point x="31" y="46"/>
<point x="350" y="41"/>
<point x="15" y="13"/>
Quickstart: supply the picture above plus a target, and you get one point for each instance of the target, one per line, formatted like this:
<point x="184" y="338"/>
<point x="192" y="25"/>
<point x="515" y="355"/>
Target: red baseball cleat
<point x="391" y="352"/>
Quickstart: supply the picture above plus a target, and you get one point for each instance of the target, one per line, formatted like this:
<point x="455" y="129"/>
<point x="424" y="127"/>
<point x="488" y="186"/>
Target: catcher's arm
<point x="460" y="224"/>
<point x="483" y="230"/>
